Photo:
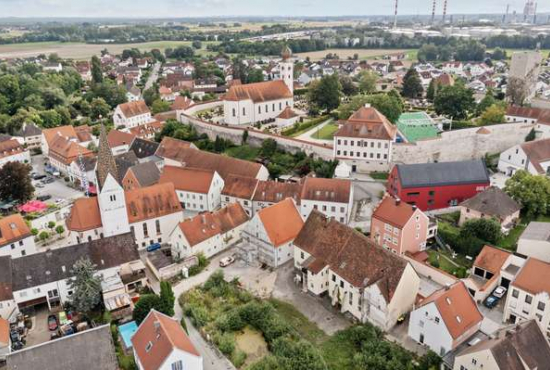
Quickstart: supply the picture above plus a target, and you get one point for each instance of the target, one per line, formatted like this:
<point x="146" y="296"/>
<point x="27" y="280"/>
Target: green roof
<point x="416" y="126"/>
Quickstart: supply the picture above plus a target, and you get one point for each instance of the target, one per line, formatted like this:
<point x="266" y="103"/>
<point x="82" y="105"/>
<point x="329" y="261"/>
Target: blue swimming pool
<point x="127" y="331"/>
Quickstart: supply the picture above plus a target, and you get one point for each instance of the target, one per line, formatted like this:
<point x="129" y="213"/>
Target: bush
<point x="225" y="343"/>
<point x="230" y="321"/>
<point x="145" y="304"/>
<point x="184" y="325"/>
<point x="238" y="358"/>
<point x="197" y="315"/>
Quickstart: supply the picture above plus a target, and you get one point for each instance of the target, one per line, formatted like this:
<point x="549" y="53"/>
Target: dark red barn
<point x="438" y="185"/>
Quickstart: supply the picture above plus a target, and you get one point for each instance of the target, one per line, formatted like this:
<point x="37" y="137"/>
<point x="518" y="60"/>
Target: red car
<point x="52" y="322"/>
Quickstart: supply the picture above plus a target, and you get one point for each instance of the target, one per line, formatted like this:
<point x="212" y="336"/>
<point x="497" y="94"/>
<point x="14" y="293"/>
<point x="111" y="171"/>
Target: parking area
<point x="39" y="333"/>
<point x="492" y="317"/>
<point x="57" y="190"/>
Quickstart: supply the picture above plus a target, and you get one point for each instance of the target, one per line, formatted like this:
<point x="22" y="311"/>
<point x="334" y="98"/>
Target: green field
<point x="76" y="50"/>
<point x="326" y="132"/>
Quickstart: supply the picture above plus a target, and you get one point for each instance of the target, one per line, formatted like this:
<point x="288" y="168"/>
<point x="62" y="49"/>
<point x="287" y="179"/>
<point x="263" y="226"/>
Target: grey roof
<point x="537" y="231"/>
<point x="493" y="202"/>
<point x="143" y="148"/>
<point x="89" y="163"/>
<point x="55" y="265"/>
<point x="5" y="279"/>
<point x="92" y="349"/>
<point x="146" y="173"/>
<point x="124" y="161"/>
<point x="442" y="173"/>
<point x="515" y="345"/>
<point x="28" y="130"/>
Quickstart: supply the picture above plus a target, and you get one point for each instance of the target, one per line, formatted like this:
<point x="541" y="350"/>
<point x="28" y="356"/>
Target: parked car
<point x="39" y="185"/>
<point x="226" y="261"/>
<point x="491" y="301"/>
<point x="499" y="292"/>
<point x="153" y="247"/>
<point x="63" y="318"/>
<point x="48" y="180"/>
<point x="37" y="176"/>
<point x="43" y="198"/>
<point x="52" y="322"/>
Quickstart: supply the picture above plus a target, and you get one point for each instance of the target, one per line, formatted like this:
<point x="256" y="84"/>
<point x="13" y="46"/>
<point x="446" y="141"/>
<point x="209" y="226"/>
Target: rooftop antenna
<point x="444" y="10"/>
<point x="395" y="15"/>
<point x="433" y="10"/>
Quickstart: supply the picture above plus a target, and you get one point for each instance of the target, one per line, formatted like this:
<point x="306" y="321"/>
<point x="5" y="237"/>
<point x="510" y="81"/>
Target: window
<point x="148" y="346"/>
<point x="333" y="278"/>
<point x="351" y="298"/>
<point x="302" y="255"/>
<point x="178" y="365"/>
<point x="421" y="323"/>
<point x="157" y="225"/>
<point x="53" y="293"/>
<point x="259" y="109"/>
<point x="528" y="299"/>
<point x="145" y="233"/>
<point x="112" y="198"/>
<point x="341" y="283"/>
<point x="541" y="306"/>
<point x="244" y="111"/>
<point x="515" y="293"/>
<point x="437" y="320"/>
<point x="23" y="253"/>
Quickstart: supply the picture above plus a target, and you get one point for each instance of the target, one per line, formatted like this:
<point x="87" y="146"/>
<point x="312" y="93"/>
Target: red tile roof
<point x="66" y="151"/>
<point x="84" y="215"/>
<point x="10" y="147"/>
<point x="367" y="123"/>
<point x="393" y="212"/>
<point x="151" y="202"/>
<point x="326" y="190"/>
<point x="537" y="151"/>
<point x="194" y="180"/>
<point x="287" y="113"/>
<point x="134" y="108"/>
<point x="240" y="187"/>
<point x="118" y="138"/>
<point x="491" y="259"/>
<point x="163" y="334"/>
<point x="456" y="307"/>
<point x="13" y="228"/>
<point x="259" y="92"/>
<point x="534" y="277"/>
<point x="281" y="221"/>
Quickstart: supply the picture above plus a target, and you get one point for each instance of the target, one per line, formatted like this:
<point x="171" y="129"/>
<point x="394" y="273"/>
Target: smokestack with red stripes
<point x="433" y="11"/>
<point x="444" y="11"/>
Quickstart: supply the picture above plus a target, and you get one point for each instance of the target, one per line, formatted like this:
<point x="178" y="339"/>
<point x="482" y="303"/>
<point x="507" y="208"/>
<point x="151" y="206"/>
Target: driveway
<point x="39" y="332"/>
<point x="492" y="317"/>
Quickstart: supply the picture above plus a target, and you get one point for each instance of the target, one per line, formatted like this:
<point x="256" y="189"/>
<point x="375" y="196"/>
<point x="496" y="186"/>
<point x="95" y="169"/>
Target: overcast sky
<point x="194" y="8"/>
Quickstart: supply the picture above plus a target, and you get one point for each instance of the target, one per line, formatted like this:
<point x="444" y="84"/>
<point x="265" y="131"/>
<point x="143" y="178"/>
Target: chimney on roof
<point x="367" y="105"/>
<point x="397" y="201"/>
<point x="447" y="286"/>
<point x="414" y="207"/>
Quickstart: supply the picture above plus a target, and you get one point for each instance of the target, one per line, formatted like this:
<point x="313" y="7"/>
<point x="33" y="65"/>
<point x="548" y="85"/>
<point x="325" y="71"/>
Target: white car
<point x="499" y="292"/>
<point x="226" y="261"/>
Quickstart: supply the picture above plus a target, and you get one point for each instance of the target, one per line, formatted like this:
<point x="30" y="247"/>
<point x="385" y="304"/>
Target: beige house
<point x="359" y="277"/>
<point x="493" y="203"/>
<point x="535" y="241"/>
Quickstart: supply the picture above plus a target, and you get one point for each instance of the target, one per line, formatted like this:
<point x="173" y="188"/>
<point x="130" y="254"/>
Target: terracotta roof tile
<point x="534" y="277"/>
<point x="367" y="123"/>
<point x="147" y="129"/>
<point x="13" y="228"/>
<point x="134" y="108"/>
<point x="187" y="179"/>
<point x="171" y="336"/>
<point x="151" y="202"/>
<point x="10" y="147"/>
<point x="394" y="212"/>
<point x="181" y="103"/>
<point x="118" y="138"/>
<point x="4" y="332"/>
<point x="275" y="191"/>
<point x="491" y="259"/>
<point x="282" y="221"/>
<point x="327" y="190"/>
<point x="66" y="151"/>
<point x="528" y="112"/>
<point x="287" y="113"/>
<point x="84" y="215"/>
<point x="206" y="225"/>
<point x="537" y="151"/>
<point x="259" y="92"/>
<point x="240" y="187"/>
<point x="52" y="133"/>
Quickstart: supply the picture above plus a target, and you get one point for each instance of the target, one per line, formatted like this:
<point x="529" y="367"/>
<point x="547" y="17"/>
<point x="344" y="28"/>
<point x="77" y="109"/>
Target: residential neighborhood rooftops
<point x="456" y="307"/>
<point x="92" y="349"/>
<point x="13" y="228"/>
<point x="206" y="225"/>
<point x="516" y="347"/>
<point x="326" y="190"/>
<point x="442" y="173"/>
<point x="393" y="212"/>
<point x="537" y="151"/>
<point x="493" y="202"/>
<point x="491" y="259"/>
<point x="239" y="187"/>
<point x="275" y="191"/>
<point x="151" y="202"/>
<point x="351" y="255"/>
<point x="65" y="150"/>
<point x="193" y="180"/>
<point x="172" y="148"/>
<point x="534" y="277"/>
<point x="134" y="108"/>
<point x="146" y="173"/>
<point x="118" y="138"/>
<point x="259" y="92"/>
<point x="156" y="338"/>
<point x="143" y="148"/>
<point x="281" y="221"/>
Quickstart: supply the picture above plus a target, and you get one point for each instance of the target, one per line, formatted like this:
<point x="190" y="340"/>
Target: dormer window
<point x="148" y="346"/>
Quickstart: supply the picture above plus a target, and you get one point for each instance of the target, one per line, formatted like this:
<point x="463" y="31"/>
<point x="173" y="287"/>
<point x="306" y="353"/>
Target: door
<point x="421" y="338"/>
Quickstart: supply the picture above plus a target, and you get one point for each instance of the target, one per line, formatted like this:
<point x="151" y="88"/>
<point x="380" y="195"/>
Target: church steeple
<point x="105" y="161"/>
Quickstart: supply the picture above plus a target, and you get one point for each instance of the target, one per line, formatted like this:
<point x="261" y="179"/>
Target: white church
<point x="261" y="101"/>
<point x="150" y="213"/>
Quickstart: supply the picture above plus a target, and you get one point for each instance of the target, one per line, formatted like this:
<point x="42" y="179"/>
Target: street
<point x="153" y="77"/>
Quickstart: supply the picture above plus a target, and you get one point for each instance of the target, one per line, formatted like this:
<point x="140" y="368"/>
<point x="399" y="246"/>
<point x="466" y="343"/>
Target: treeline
<point x="267" y="47"/>
<point x="460" y="50"/>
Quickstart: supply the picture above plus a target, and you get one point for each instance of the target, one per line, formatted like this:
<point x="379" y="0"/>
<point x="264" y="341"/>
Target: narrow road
<point x="153" y="77"/>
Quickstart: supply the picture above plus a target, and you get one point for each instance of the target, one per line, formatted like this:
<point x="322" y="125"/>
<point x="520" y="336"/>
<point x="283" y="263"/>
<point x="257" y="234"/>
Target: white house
<point x="119" y="141"/>
<point x="29" y="135"/>
<point x="365" y="141"/>
<point x="455" y="68"/>
<point x="131" y="114"/>
<point x="197" y="189"/>
<point x="273" y="230"/>
<point x="16" y="239"/>
<point x="239" y="189"/>
<point x="332" y="197"/>
<point x="209" y="233"/>
<point x="535" y="241"/>
<point x="12" y="151"/>
<point x="445" y="319"/>
<point x="160" y="343"/>
<point x="359" y="277"/>
<point x="532" y="156"/>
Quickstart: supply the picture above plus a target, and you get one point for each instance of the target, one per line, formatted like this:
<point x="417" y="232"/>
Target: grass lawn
<point x="306" y="126"/>
<point x="444" y="264"/>
<point x="379" y="175"/>
<point x="245" y="152"/>
<point x="326" y="132"/>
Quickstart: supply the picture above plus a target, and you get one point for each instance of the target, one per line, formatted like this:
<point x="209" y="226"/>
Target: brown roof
<point x="394" y="212"/>
<point x="456" y="307"/>
<point x="350" y="254"/>
<point x="4" y="332"/>
<point x="367" y="123"/>
<point x="240" y="187"/>
<point x="13" y="228"/>
<point x="206" y="225"/>
<point x="83" y="133"/>
<point x="181" y="103"/>
<point x="327" y="190"/>
<point x="537" y="151"/>
<point x="281" y="221"/>
<point x="445" y="79"/>
<point x="528" y="112"/>
<point x="259" y="92"/>
<point x="181" y="151"/>
<point x="147" y="129"/>
<point x="534" y="277"/>
<point x="187" y="179"/>
<point x="275" y="191"/>
<point x="134" y="108"/>
<point x="84" y="215"/>
<point x="491" y="259"/>
<point x="151" y="202"/>
<point x="492" y="202"/>
<point x="10" y="147"/>
<point x="287" y="113"/>
<point x="118" y="138"/>
<point x="66" y="131"/>
<point x="164" y="334"/>
<point x="515" y="347"/>
<point x="66" y="151"/>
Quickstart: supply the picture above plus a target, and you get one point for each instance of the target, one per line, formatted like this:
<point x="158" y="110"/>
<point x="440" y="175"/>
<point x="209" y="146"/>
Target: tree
<point x="150" y="95"/>
<point x="488" y="100"/>
<point x="145" y="304"/>
<point x="390" y="105"/>
<point x="531" y="191"/>
<point x="494" y="114"/>
<point x="97" y="73"/>
<point x="455" y="101"/>
<point x="485" y="229"/>
<point x="516" y="90"/>
<point x="15" y="182"/>
<point x="269" y="147"/>
<point x="51" y="225"/>
<point x="99" y="108"/>
<point x="254" y="75"/>
<point x="348" y="86"/>
<point x="430" y="92"/>
<point x="244" y="137"/>
<point x="367" y="82"/>
<point x="85" y="285"/>
<point x="160" y="106"/>
<point x="59" y="229"/>
<point x="412" y="86"/>
<point x="325" y="93"/>
<point x="43" y="236"/>
<point x="498" y="54"/>
<point x="167" y="297"/>
<point x="196" y="44"/>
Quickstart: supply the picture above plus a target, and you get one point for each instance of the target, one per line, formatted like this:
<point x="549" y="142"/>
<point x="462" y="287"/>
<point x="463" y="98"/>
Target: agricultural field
<point x="364" y="54"/>
<point x="257" y="26"/>
<point x="81" y="51"/>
